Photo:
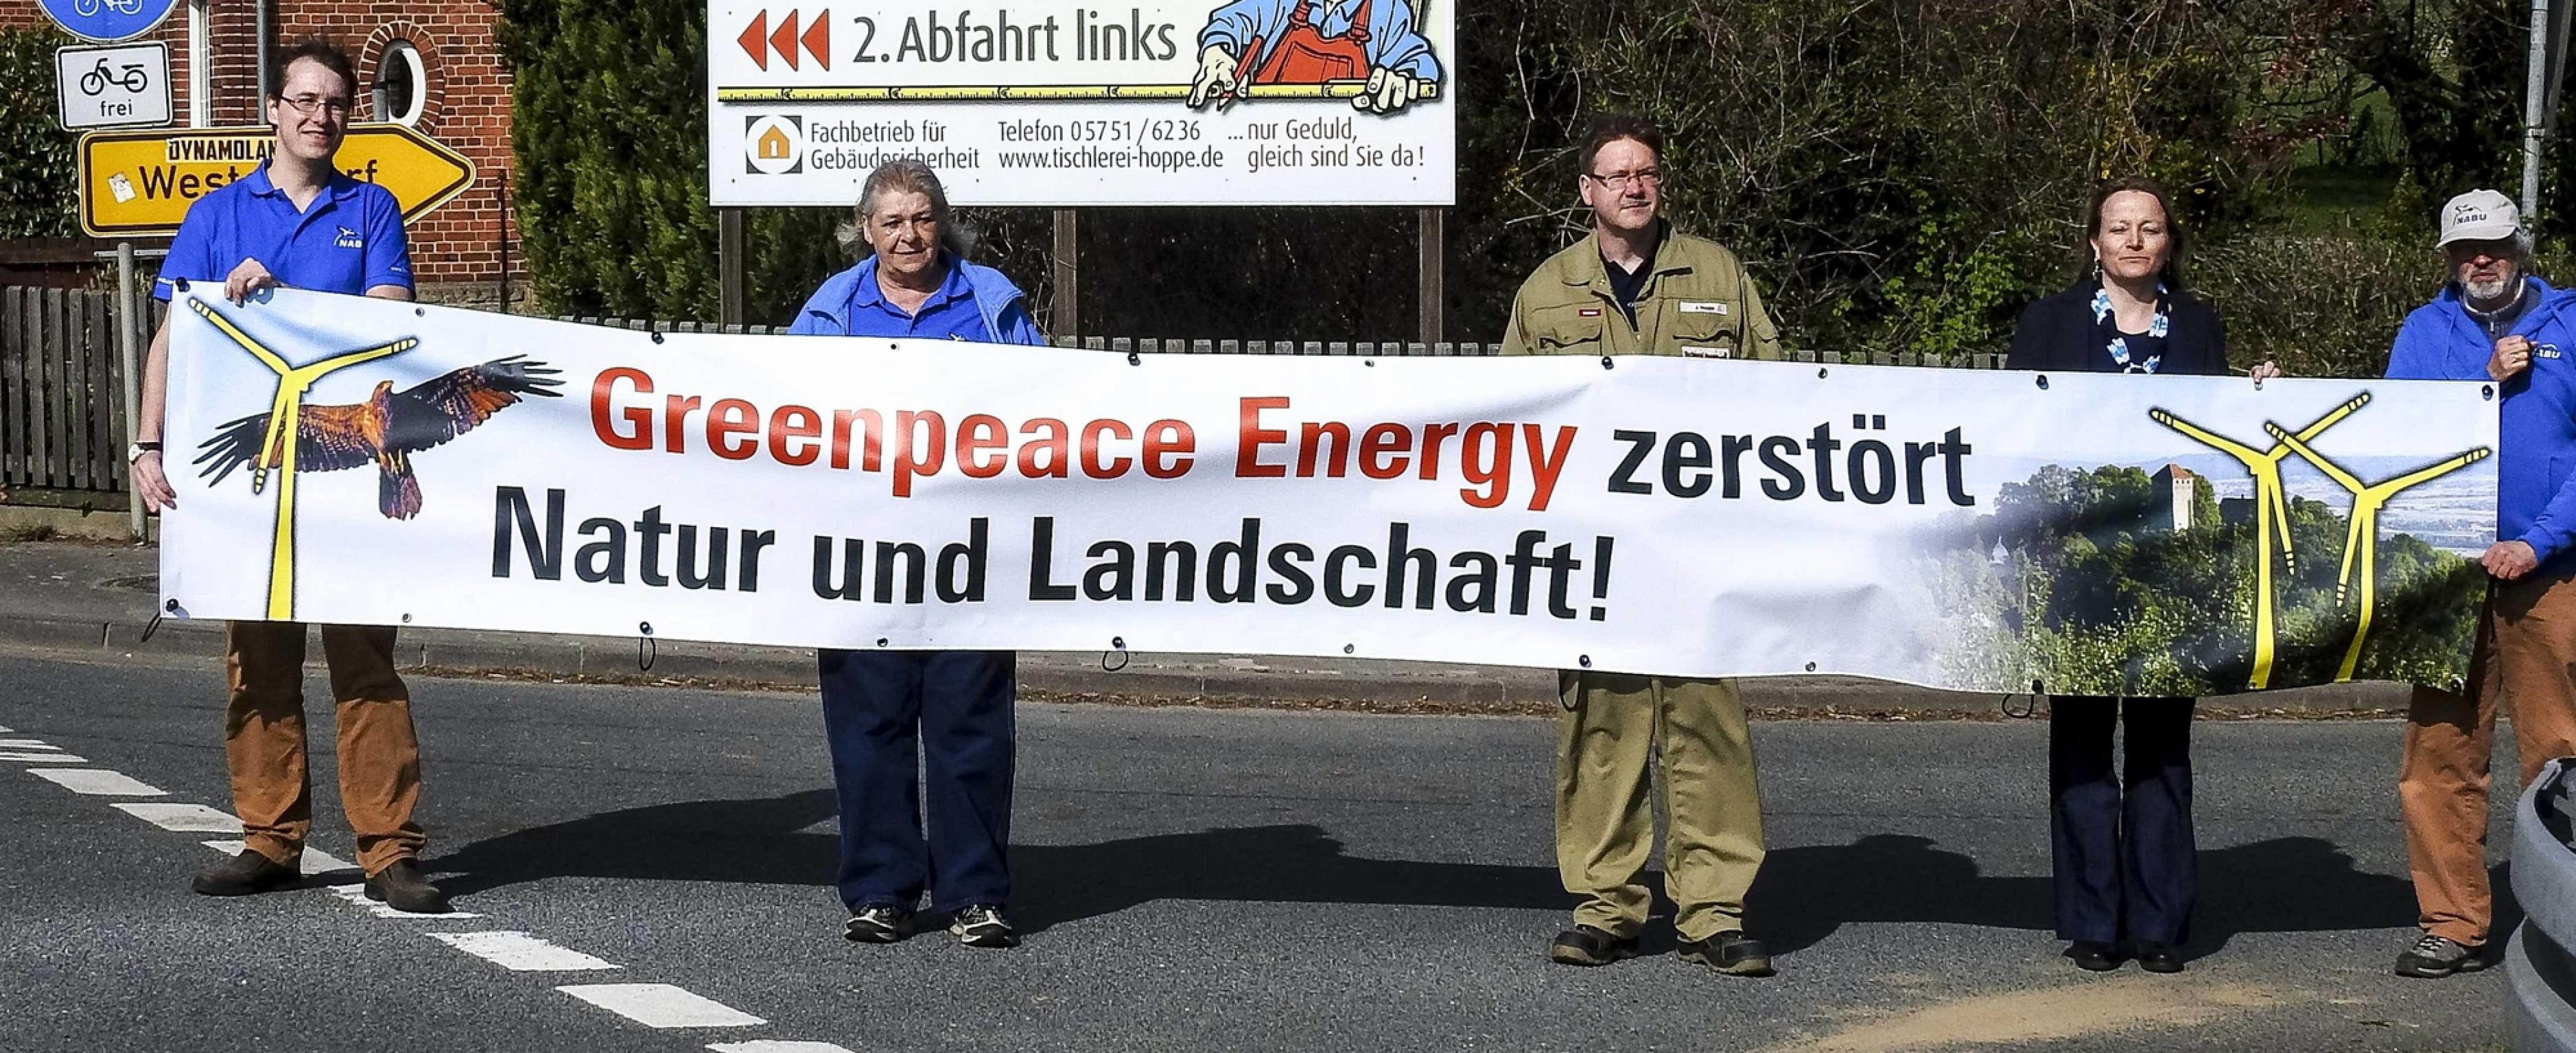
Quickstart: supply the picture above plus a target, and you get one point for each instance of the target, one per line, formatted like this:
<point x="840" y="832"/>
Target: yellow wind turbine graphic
<point x="277" y="450"/>
<point x="2361" y="537"/>
<point x="2271" y="512"/>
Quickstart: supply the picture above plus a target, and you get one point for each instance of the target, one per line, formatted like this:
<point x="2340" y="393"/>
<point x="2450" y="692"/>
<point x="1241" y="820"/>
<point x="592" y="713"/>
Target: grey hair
<point x="904" y="175"/>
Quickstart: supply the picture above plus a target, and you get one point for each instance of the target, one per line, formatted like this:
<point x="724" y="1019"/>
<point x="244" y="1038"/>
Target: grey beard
<point x="2490" y="292"/>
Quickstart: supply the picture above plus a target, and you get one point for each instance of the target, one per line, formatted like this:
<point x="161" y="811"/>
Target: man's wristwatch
<point x="135" y="451"/>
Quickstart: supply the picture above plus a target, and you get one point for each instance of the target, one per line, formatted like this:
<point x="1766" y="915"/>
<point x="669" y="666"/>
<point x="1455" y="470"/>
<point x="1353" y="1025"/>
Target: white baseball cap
<point x="2479" y="215"/>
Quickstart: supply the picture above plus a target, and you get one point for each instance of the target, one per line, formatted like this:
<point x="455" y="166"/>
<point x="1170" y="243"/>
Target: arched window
<point x="402" y="84"/>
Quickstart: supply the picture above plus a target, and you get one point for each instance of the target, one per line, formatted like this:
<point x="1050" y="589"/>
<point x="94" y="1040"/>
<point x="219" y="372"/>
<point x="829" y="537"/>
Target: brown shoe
<point x="401" y="886"/>
<point x="246" y="874"/>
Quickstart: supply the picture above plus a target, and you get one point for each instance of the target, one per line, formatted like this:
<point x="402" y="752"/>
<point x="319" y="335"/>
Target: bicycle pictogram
<point x="88" y="8"/>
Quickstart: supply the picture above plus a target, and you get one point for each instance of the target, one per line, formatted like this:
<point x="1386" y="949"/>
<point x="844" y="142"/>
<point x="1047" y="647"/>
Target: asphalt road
<point x="1188" y="880"/>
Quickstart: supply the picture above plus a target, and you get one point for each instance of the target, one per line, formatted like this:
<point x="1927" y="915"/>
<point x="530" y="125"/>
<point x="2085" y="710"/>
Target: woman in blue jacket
<point x="2123" y="861"/>
<point x="953" y="707"/>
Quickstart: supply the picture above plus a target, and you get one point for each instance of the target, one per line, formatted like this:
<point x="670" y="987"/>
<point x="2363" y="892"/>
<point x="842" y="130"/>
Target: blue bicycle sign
<point x="108" y="21"/>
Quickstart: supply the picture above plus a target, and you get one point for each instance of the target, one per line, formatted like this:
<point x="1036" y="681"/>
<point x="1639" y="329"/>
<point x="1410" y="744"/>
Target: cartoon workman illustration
<point x="1373" y="43"/>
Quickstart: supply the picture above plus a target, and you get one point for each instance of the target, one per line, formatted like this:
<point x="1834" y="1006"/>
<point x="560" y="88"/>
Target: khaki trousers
<point x="2525" y="660"/>
<point x="1692" y="733"/>
<point x="379" y="757"/>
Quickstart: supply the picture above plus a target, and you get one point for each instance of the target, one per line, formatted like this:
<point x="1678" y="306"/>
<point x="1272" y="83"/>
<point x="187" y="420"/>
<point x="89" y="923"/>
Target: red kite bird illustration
<point x="385" y="430"/>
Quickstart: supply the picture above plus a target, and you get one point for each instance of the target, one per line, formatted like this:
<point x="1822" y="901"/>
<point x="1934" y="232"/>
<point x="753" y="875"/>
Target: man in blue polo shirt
<point x="950" y="709"/>
<point x="299" y="222"/>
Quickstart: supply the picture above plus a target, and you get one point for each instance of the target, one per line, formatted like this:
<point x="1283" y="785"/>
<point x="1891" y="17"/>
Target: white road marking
<point x="772" y="1045"/>
<point x="26" y="744"/>
<point x="4" y="731"/>
<point x="661" y="1005"/>
<point x="520" y="952"/>
<point x="183" y="818"/>
<point x="95" y="782"/>
<point x="55" y="758"/>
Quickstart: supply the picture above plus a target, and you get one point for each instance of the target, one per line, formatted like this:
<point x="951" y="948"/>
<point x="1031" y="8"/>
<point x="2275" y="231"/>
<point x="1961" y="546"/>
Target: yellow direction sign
<point x="140" y="183"/>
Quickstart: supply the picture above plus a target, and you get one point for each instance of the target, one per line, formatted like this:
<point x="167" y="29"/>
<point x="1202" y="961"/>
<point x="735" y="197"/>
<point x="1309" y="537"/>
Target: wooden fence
<point x="62" y="401"/>
<point x="62" y="395"/>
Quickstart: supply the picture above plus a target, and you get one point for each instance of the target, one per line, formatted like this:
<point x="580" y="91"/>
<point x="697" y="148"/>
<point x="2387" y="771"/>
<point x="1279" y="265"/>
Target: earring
<point x="2097" y="270"/>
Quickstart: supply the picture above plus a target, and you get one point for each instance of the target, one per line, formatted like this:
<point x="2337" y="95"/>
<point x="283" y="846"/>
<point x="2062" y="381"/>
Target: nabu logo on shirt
<point x="2544" y="351"/>
<point x="349" y="239"/>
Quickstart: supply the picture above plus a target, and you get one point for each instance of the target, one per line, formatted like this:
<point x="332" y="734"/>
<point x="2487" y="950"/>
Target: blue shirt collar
<point x="340" y="186"/>
<point x="868" y="294"/>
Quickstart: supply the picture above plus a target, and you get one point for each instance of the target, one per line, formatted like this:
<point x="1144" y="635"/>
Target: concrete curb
<point x="1197" y="679"/>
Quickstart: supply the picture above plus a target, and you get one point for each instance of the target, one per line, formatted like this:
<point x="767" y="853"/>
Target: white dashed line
<point x="772" y="1045"/>
<point x="520" y="952"/>
<point x="315" y="861"/>
<point x="55" y="758"/>
<point x="661" y="1005"/>
<point x="183" y="818"/>
<point x="27" y="744"/>
<point x="95" y="782"/>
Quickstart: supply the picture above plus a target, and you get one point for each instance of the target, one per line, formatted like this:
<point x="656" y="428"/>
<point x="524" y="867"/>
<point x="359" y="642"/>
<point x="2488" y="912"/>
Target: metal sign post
<point x="127" y="325"/>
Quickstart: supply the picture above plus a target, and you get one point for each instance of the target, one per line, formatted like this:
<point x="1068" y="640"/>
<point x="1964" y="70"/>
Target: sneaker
<point x="1732" y="953"/>
<point x="2157" y="957"/>
<point x="878" y="923"/>
<point x="243" y="875"/>
<point x="401" y="886"/>
<point x="983" y="926"/>
<point x="2093" y="957"/>
<point x="1585" y="945"/>
<point x="2434" y="957"/>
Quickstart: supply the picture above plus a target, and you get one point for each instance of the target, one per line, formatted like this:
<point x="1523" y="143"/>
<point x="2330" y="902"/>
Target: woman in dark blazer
<point x="2125" y="872"/>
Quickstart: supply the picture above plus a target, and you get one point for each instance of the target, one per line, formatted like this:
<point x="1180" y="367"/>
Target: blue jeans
<point x="2126" y="865"/>
<point x="954" y="709"/>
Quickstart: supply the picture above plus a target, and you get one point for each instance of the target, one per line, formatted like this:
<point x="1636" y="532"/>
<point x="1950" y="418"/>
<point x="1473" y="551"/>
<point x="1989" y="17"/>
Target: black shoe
<point x="1732" y="953"/>
<point x="242" y="875"/>
<point x="2157" y="957"/>
<point x="878" y="923"/>
<point x="2434" y="957"/>
<point x="401" y="886"/>
<point x="983" y="926"/>
<point x="2093" y="957"/>
<point x="1585" y="945"/>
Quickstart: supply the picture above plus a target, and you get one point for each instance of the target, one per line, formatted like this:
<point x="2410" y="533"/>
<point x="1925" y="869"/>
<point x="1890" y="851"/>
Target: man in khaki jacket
<point x="1635" y="287"/>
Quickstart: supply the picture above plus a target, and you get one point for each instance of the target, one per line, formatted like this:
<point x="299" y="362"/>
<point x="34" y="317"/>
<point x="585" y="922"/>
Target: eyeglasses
<point x="1644" y="177"/>
<point x="309" y="105"/>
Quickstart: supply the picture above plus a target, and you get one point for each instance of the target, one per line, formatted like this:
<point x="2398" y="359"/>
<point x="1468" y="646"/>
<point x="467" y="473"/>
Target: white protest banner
<point x="1151" y="102"/>
<point x="1972" y="529"/>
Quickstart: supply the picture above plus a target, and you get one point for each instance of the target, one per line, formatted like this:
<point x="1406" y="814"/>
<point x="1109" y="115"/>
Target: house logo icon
<point x="773" y="145"/>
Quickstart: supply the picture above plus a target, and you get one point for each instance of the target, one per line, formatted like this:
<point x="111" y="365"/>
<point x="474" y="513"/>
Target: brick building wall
<point x="465" y="100"/>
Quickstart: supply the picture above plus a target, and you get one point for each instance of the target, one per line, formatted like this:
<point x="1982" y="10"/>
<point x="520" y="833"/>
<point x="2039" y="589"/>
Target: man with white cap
<point x="2494" y="322"/>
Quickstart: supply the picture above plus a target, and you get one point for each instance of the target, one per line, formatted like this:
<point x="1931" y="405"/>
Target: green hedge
<point x="38" y="197"/>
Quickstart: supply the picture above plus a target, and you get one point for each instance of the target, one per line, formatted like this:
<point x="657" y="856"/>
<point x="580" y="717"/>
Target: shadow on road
<point x="1805" y="894"/>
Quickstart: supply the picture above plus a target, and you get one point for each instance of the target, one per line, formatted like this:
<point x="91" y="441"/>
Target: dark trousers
<point x="2125" y="865"/>
<point x="952" y="709"/>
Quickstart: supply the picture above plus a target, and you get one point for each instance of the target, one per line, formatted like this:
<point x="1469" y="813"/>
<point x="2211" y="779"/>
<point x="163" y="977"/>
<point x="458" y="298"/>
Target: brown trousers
<point x="379" y="757"/>
<point x="2525" y="660"/>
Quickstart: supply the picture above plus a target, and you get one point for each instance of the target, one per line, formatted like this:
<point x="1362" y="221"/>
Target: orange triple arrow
<point x="758" y="40"/>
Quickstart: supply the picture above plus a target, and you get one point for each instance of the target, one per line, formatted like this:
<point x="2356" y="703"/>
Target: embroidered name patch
<point x="1703" y="307"/>
<point x="1708" y="352"/>
<point x="1588" y="312"/>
